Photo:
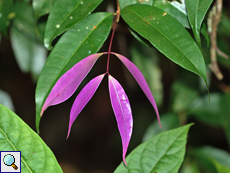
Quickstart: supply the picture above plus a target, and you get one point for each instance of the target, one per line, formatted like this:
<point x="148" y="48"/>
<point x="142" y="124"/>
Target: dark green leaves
<point x="6" y="14"/>
<point x="15" y="135"/>
<point x="162" y="153"/>
<point x="61" y="19"/>
<point x="79" y="42"/>
<point x="196" y="10"/>
<point x="167" y="35"/>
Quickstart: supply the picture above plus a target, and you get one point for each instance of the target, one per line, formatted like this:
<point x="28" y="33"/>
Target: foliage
<point x="74" y="34"/>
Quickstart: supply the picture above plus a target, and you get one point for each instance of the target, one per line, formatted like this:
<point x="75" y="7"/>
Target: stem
<point x="114" y="28"/>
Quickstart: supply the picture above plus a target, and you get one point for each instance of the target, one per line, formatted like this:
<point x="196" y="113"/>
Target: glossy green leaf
<point x="79" y="42"/>
<point x="15" y="135"/>
<point x="66" y="14"/>
<point x="124" y="3"/>
<point x="42" y="7"/>
<point x="167" y="35"/>
<point x="6" y="14"/>
<point x="175" y="9"/>
<point x="196" y="10"/>
<point x="30" y="55"/>
<point x="162" y="153"/>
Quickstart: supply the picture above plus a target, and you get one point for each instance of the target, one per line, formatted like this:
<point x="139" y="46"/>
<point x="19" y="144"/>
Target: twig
<point x="213" y="21"/>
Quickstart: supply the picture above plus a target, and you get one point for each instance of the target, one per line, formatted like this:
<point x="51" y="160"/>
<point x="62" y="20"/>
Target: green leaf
<point x="124" y="3"/>
<point x="42" y="7"/>
<point x="204" y="32"/>
<point x="29" y="52"/>
<point x="15" y="135"/>
<point x="162" y="153"/>
<point x="6" y="14"/>
<point x="196" y="10"/>
<point x="79" y="42"/>
<point x="64" y="15"/>
<point x="30" y="55"/>
<point x="175" y="9"/>
<point x="167" y="35"/>
<point x="212" y="159"/>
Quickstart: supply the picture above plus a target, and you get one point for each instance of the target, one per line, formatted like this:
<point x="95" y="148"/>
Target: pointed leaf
<point x="79" y="42"/>
<point x="196" y="10"/>
<point x="69" y="82"/>
<point x="162" y="153"/>
<point x="167" y="35"/>
<point x="64" y="15"/>
<point x="16" y="135"/>
<point x="122" y="111"/>
<point x="175" y="9"/>
<point x="140" y="80"/>
<point x="83" y="98"/>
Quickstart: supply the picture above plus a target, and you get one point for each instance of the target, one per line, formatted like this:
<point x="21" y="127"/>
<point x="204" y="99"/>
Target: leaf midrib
<point x="166" y="151"/>
<point x="15" y="149"/>
<point x="166" y="38"/>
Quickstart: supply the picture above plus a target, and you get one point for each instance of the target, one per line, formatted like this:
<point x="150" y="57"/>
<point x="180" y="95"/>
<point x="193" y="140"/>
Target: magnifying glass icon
<point x="9" y="160"/>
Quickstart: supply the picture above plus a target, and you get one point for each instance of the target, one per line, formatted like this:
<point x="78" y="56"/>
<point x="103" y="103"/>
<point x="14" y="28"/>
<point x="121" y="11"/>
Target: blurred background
<point x="94" y="144"/>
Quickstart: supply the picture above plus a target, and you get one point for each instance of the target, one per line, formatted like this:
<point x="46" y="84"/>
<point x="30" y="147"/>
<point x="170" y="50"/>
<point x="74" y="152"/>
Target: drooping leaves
<point x="69" y="82"/>
<point x="196" y="10"/>
<point x="83" y="98"/>
<point x="79" y="42"/>
<point x="64" y="15"/>
<point x="162" y="153"/>
<point x="140" y="80"/>
<point x="122" y="111"/>
<point x="167" y="35"/>
<point x="15" y="135"/>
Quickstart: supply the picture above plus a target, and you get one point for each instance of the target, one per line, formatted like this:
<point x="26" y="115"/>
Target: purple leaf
<point x="140" y="80"/>
<point x="69" y="82"/>
<point x="122" y="111"/>
<point x="83" y="98"/>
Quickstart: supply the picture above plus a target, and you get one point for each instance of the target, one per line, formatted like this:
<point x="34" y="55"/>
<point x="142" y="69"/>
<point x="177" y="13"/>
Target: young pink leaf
<point x="83" y="98"/>
<point x="69" y="82"/>
<point x="122" y="111"/>
<point x="140" y="80"/>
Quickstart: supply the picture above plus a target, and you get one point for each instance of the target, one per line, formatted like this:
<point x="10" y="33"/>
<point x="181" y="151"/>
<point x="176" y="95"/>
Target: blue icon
<point x="9" y="160"/>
